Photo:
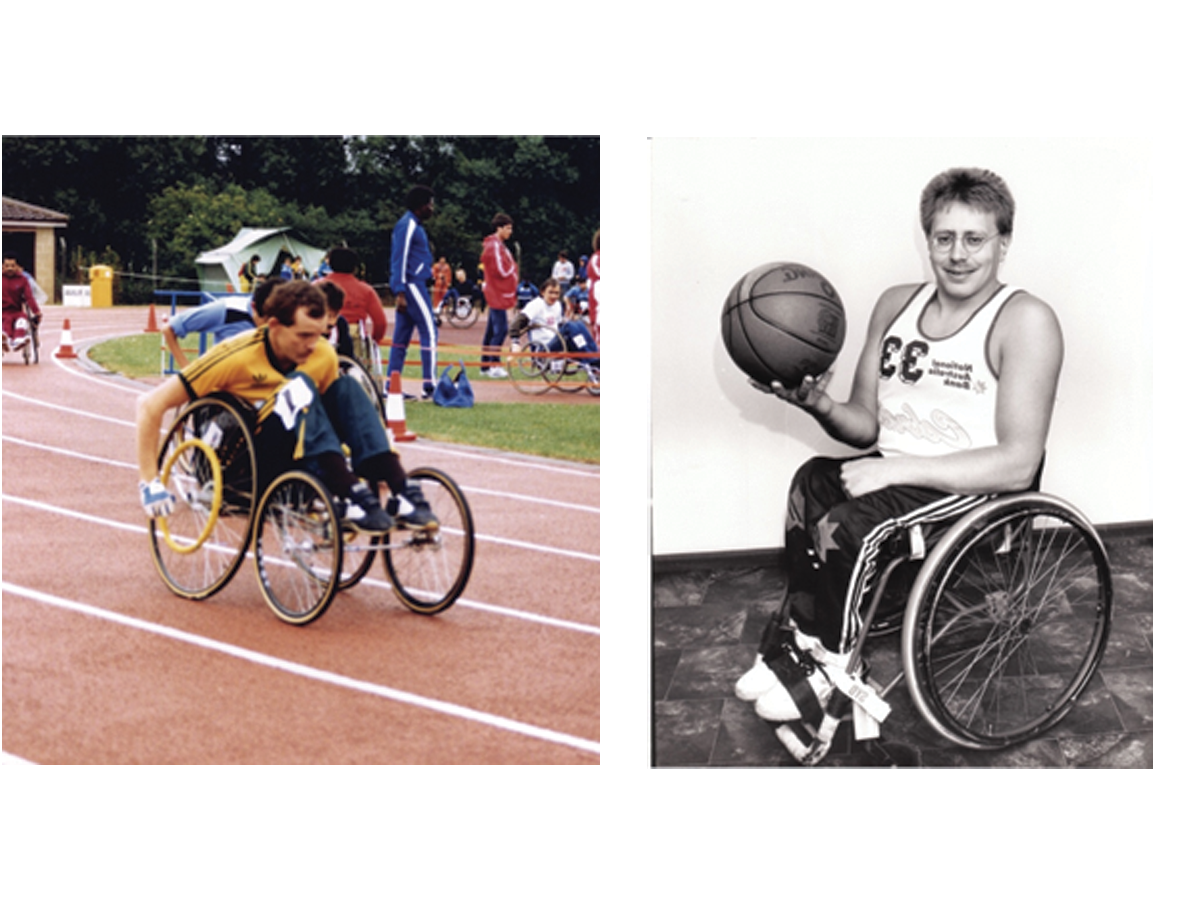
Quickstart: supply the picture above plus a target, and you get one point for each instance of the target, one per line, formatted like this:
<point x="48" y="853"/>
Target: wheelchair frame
<point x="300" y="545"/>
<point x="1006" y="621"/>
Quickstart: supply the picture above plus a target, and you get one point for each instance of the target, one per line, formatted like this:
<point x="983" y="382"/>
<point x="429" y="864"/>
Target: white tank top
<point x="937" y="395"/>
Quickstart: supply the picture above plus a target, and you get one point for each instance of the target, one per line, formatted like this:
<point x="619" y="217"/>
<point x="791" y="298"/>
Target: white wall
<point x="723" y="454"/>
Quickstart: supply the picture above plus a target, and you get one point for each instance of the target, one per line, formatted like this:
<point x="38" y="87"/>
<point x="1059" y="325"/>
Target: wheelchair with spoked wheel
<point x="1003" y="615"/>
<point x="1005" y="621"/>
<point x="564" y="358"/>
<point x="302" y="549"/>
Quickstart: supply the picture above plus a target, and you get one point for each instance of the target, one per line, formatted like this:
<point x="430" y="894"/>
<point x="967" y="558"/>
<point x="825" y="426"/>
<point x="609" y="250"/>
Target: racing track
<point x="102" y="664"/>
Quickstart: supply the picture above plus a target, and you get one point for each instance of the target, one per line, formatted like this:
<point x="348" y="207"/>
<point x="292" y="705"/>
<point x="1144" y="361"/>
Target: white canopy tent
<point x="218" y="269"/>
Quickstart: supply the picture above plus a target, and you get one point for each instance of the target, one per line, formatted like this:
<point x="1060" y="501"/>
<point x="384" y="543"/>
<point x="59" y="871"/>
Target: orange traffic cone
<point x="66" y="346"/>
<point x="395" y="411"/>
<point x="152" y="325"/>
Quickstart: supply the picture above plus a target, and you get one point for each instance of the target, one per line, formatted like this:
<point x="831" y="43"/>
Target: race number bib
<point x="291" y="401"/>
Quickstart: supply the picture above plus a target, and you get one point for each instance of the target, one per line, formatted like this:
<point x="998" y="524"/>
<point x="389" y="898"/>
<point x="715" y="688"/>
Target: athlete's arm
<point x="151" y="408"/>
<point x="174" y="347"/>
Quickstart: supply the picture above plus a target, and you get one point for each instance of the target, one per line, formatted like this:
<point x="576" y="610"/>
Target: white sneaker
<point x="777" y="705"/>
<point x="756" y="682"/>
<point x="761" y="678"/>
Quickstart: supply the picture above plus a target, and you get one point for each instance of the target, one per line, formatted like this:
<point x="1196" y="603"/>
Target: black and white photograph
<point x="884" y="532"/>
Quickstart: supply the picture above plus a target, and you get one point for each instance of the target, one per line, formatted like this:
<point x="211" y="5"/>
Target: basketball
<point x="783" y="321"/>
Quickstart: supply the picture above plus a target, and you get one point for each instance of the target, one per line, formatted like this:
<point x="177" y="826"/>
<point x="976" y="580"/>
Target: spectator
<point x="248" y="274"/>
<point x="441" y="280"/>
<point x="593" y="281"/>
<point x="525" y="292"/>
<point x="411" y="269"/>
<point x="563" y="271"/>
<point x="499" y="290"/>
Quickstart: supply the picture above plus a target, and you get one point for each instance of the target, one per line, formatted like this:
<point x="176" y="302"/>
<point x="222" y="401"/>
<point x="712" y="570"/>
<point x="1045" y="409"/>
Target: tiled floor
<point x="707" y="623"/>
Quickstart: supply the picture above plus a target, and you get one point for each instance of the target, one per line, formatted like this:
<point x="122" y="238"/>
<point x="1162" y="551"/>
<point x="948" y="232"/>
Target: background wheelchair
<point x="302" y="552"/>
<point x="458" y="310"/>
<point x="1004" y="615"/>
<point x="31" y="349"/>
<point x="535" y="368"/>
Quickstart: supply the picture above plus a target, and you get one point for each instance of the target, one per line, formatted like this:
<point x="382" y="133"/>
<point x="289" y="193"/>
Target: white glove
<point x="156" y="499"/>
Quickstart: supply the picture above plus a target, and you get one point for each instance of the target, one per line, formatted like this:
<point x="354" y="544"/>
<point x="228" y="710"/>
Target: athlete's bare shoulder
<point x="1026" y="324"/>
<point x="891" y="303"/>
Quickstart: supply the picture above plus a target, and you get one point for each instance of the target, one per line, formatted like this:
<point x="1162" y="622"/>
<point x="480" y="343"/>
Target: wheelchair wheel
<point x="531" y="369"/>
<point x="1007" y="621"/>
<point x="461" y="313"/>
<point x="351" y="368"/>
<point x="429" y="571"/>
<point x="297" y="547"/>
<point x="207" y="461"/>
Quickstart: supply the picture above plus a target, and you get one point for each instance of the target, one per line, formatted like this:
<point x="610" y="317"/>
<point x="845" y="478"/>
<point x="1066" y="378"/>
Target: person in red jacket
<point x="500" y="278"/>
<point x="361" y="304"/>
<point x="19" y="304"/>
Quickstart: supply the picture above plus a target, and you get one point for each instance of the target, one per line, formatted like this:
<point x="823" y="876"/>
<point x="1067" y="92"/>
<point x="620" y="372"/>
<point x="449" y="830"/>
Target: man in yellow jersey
<point x="289" y="372"/>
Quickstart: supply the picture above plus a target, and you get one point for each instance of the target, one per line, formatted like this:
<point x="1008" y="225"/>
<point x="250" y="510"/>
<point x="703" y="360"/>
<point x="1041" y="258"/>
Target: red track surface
<point x="102" y="664"/>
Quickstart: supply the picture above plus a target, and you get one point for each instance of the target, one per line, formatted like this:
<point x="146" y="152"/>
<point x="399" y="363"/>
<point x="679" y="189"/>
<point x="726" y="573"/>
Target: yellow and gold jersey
<point x="245" y="367"/>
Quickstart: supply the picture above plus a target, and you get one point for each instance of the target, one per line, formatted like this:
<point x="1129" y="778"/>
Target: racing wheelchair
<point x="292" y="528"/>
<point x="1003" y="615"/>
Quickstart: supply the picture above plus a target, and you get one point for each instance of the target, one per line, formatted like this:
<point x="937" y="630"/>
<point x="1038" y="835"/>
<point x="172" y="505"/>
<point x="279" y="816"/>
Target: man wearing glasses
<point x="953" y="395"/>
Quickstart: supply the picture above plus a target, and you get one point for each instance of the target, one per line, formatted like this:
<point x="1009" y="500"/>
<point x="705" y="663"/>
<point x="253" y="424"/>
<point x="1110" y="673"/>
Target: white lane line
<point x="479" y="605"/>
<point x="87" y="457"/>
<point x="60" y="408"/>
<point x="303" y="671"/>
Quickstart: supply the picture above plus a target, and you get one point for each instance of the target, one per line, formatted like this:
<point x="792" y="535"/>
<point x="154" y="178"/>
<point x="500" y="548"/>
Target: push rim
<point x="1008" y="621"/>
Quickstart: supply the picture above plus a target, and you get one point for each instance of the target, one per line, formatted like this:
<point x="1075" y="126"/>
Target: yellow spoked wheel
<point x="188" y="489"/>
<point x="207" y="461"/>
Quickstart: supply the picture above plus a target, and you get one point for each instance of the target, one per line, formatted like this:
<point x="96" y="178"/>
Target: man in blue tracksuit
<point x="412" y="267"/>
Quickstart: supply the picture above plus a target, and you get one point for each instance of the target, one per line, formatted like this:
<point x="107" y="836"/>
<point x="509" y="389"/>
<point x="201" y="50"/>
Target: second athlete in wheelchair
<point x="558" y="343"/>
<point x="22" y="314"/>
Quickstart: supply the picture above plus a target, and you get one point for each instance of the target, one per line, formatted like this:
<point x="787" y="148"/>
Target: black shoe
<point x="363" y="512"/>
<point x="411" y="510"/>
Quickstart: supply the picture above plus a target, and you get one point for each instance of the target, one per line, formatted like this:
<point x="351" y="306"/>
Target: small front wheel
<point x="430" y="570"/>
<point x="298" y="547"/>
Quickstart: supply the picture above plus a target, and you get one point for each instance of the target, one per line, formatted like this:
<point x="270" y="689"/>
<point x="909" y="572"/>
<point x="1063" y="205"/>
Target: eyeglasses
<point x="943" y="241"/>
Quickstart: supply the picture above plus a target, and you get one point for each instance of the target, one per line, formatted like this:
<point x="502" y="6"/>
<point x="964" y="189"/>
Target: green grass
<point x="558" y="431"/>
<point x="136" y="356"/>
<point x="542" y="429"/>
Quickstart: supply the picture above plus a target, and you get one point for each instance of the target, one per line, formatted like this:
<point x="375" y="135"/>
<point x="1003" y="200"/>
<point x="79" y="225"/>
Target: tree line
<point x="148" y="206"/>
